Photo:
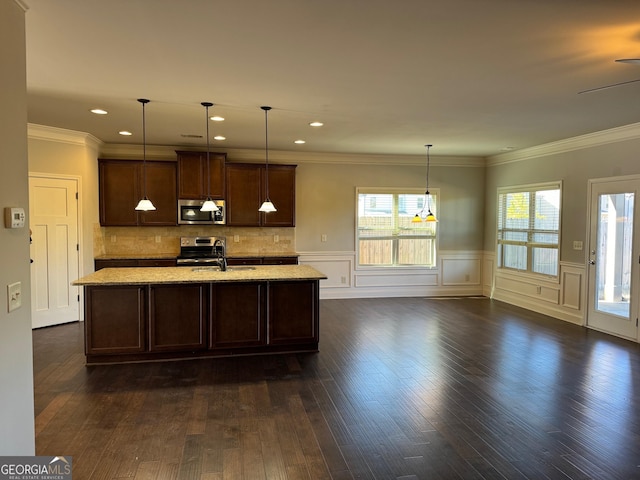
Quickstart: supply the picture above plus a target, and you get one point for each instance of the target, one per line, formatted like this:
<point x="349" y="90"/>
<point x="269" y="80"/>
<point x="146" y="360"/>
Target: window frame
<point x="434" y="194"/>
<point x="531" y="231"/>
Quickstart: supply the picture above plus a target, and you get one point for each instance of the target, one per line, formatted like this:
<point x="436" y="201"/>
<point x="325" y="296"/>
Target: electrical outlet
<point x="158" y="239"/>
<point x="236" y="238"/>
<point x="323" y="237"/>
<point x="113" y="239"/>
<point x="276" y="238"/>
<point x="14" y="295"/>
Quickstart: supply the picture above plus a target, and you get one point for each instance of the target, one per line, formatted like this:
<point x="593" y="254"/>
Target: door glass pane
<point x="613" y="253"/>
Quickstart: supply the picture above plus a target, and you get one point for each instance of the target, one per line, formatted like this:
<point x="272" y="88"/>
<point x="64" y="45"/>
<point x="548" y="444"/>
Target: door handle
<point x="592" y="262"/>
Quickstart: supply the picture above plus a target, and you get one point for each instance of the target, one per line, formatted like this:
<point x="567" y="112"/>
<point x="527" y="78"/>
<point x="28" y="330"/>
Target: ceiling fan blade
<point x="608" y="86"/>
<point x="633" y="61"/>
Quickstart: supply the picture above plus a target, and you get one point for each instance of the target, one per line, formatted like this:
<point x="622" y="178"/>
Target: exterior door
<point x="613" y="257"/>
<point x="53" y="219"/>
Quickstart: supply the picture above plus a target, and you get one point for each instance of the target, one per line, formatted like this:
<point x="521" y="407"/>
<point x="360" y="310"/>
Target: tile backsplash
<point x="126" y="241"/>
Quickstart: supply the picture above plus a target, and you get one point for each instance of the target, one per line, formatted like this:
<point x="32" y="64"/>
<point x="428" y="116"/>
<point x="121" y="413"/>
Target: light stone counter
<point x="175" y="275"/>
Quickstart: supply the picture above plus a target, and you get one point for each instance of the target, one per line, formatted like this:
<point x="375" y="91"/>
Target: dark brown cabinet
<point x="289" y="260"/>
<point x="246" y="190"/>
<point x="178" y="316"/>
<point x="100" y="263"/>
<point x="115" y="320"/>
<point x="238" y="312"/>
<point x="125" y="323"/>
<point x="293" y="312"/>
<point x="197" y="179"/>
<point x="122" y="185"/>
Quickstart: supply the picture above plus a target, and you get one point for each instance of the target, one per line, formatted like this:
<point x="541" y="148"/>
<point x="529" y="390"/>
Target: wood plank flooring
<point x="404" y="389"/>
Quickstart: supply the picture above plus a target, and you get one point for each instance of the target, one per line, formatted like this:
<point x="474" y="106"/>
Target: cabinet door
<point x="282" y="191"/>
<point x="178" y="317"/>
<point x="193" y="171"/>
<point x="161" y="190"/>
<point x="243" y="194"/>
<point x="114" y="320"/>
<point x="237" y="315"/>
<point x="119" y="193"/>
<point x="293" y="312"/>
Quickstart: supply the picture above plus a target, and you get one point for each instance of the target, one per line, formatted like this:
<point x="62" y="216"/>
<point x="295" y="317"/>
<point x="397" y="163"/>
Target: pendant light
<point x="430" y="217"/>
<point x="266" y="206"/>
<point x="145" y="204"/>
<point x="209" y="205"/>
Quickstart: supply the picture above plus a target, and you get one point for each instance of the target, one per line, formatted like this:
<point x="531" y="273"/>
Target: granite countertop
<point x="159" y="275"/>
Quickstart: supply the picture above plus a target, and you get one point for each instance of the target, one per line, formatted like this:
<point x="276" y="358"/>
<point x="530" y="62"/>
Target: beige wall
<point x="326" y="202"/>
<point x="70" y="154"/>
<point x="16" y="367"/>
<point x="574" y="168"/>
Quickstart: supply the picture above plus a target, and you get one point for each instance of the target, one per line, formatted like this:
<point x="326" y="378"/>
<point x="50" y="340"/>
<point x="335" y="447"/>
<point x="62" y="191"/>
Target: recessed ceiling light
<point x="299" y="142"/>
<point x="316" y="124"/>
<point x="99" y="111"/>
<point x="125" y="133"/>
<point x="219" y="137"/>
<point x="217" y="118"/>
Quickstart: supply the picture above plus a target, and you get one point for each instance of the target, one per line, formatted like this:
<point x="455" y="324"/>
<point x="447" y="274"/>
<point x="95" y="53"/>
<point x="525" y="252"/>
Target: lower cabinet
<point x="164" y="321"/>
<point x="238" y="312"/>
<point x="115" y="320"/>
<point x="293" y="312"/>
<point x="178" y="318"/>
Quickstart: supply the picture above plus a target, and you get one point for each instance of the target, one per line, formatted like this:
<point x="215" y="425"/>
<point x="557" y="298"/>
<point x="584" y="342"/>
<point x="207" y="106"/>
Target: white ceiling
<point x="472" y="77"/>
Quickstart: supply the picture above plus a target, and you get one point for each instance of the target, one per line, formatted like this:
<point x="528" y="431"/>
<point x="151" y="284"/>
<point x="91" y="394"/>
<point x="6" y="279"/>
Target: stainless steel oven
<point x="189" y="213"/>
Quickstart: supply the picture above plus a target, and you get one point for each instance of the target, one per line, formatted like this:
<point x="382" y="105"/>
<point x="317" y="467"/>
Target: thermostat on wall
<point x="14" y="217"/>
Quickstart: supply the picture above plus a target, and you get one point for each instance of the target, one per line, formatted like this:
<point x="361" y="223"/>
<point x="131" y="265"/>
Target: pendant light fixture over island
<point x="267" y="206"/>
<point x="145" y="204"/>
<point x="209" y="205"/>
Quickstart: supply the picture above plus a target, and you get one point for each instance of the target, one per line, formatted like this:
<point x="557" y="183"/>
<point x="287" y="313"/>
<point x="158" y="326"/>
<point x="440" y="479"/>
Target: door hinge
<point x="636" y="322"/>
<point x="76" y="195"/>
<point x="77" y="247"/>
<point x="78" y="298"/>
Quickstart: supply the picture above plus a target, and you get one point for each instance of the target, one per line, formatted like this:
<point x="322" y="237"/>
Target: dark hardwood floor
<point x="401" y="389"/>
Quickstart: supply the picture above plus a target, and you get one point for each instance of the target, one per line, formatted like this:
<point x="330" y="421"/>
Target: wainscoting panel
<point x="458" y="274"/>
<point x="561" y="298"/>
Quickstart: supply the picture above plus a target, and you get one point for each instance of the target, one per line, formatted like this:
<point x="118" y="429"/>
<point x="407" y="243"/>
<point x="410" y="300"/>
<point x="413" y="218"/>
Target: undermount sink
<point x="205" y="269"/>
<point x="240" y="268"/>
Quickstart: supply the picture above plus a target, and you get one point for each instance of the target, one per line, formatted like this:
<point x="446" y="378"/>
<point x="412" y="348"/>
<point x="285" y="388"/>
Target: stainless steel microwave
<point x="189" y="213"/>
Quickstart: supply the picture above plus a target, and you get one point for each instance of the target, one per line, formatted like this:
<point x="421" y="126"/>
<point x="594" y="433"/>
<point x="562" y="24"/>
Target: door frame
<point x="635" y="285"/>
<point x="80" y="215"/>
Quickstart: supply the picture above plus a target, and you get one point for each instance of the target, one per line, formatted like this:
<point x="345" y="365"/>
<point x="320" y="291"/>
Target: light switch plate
<point x="14" y="295"/>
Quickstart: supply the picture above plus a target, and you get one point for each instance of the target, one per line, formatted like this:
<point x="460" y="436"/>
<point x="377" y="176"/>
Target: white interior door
<point x="53" y="219"/>
<point x="613" y="258"/>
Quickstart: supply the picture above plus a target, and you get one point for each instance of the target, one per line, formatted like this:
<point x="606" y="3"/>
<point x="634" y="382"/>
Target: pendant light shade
<point x="144" y="205"/>
<point x="426" y="208"/>
<point x="267" y="206"/>
<point x="209" y="205"/>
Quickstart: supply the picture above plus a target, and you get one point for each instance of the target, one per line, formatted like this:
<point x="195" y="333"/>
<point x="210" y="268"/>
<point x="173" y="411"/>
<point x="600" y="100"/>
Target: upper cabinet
<point x="122" y="185"/>
<point x="196" y="179"/>
<point x="246" y="190"/>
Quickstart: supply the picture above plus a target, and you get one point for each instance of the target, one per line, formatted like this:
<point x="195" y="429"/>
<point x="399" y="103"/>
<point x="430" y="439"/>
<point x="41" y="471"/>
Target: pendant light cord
<point x="206" y="105"/>
<point x="144" y="101"/>
<point x="266" y="147"/>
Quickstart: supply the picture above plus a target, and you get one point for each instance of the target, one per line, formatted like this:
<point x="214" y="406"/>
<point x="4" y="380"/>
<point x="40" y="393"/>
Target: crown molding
<point x="22" y="4"/>
<point x="168" y="152"/>
<point x="61" y="135"/>
<point x="604" y="137"/>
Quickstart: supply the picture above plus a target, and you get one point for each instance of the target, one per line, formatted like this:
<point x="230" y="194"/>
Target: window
<point x="386" y="235"/>
<point x="529" y="228"/>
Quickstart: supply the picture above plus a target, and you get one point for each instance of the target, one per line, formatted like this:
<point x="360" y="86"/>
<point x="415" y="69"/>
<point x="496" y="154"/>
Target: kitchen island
<point x="159" y="313"/>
